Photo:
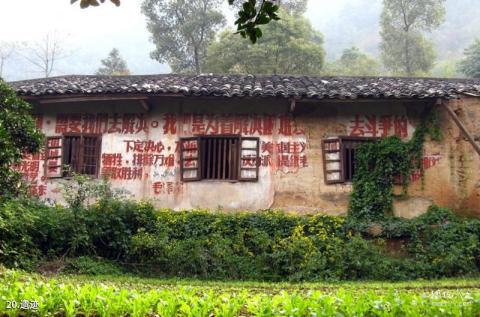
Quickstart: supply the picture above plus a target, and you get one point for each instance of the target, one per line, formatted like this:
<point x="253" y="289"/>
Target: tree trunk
<point x="197" y="62"/>
<point x="408" y="66"/>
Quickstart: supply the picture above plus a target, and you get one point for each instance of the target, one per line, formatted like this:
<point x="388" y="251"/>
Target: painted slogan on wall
<point x="139" y="148"/>
<point x="146" y="147"/>
<point x="379" y="125"/>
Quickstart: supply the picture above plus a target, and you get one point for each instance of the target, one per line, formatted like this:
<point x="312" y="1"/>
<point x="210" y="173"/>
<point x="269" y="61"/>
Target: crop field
<point x="26" y="294"/>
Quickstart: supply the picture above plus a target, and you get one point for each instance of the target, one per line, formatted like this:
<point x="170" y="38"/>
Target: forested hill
<point x="356" y="22"/>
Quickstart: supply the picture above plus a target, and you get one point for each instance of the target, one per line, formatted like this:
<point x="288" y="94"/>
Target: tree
<point x="18" y="135"/>
<point x="353" y="63"/>
<point x="113" y="65"/>
<point x="182" y="30"/>
<point x="6" y="51"/>
<point x="292" y="7"/>
<point x="45" y="53"/>
<point x="86" y="3"/>
<point x="470" y="65"/>
<point x="404" y="49"/>
<point x="291" y="46"/>
<point x="250" y="15"/>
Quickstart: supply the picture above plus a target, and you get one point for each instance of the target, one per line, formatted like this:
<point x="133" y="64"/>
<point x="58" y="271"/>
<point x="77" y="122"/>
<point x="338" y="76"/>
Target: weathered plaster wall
<point x="455" y="181"/>
<point x="291" y="173"/>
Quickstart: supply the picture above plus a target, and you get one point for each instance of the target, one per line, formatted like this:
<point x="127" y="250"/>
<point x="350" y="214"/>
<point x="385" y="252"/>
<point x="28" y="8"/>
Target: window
<point x="228" y="158"/>
<point x="80" y="152"/>
<point x="339" y="158"/>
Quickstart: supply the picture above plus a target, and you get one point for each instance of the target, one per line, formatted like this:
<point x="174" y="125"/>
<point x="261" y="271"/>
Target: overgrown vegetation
<point x="116" y="234"/>
<point x="18" y="136"/>
<point x="379" y="165"/>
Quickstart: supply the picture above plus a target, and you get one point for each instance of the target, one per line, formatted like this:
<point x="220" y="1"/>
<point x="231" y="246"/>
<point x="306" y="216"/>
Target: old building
<point x="250" y="142"/>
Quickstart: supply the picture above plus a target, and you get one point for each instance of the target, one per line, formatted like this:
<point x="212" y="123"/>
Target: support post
<point x="145" y="105"/>
<point x="292" y="105"/>
<point x="460" y="125"/>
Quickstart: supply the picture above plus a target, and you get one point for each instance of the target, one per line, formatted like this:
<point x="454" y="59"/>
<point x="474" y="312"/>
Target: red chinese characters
<point x="378" y="126"/>
<point x="29" y="167"/>
<point x="167" y="188"/>
<point x="99" y="123"/>
<point x="243" y="124"/>
<point x="170" y="125"/>
<point x="284" y="155"/>
<point x="428" y="161"/>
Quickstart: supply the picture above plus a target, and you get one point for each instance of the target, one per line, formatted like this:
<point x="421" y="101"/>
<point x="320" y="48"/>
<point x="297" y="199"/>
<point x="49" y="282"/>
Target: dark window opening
<point x="349" y="148"/>
<point x="219" y="158"/>
<point x="230" y="158"/>
<point x="339" y="158"/>
<point x="81" y="153"/>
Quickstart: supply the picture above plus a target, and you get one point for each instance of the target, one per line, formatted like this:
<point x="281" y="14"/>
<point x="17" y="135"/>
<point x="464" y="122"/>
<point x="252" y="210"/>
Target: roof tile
<point x="308" y="87"/>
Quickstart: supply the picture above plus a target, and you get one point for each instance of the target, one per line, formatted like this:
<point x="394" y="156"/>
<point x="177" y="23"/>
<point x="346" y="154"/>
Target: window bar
<point x="224" y="158"/>
<point x="202" y="152"/>
<point x="214" y="167"/>
<point x="230" y="159"/>
<point x="209" y="157"/>
<point x="220" y="158"/>
<point x="352" y="163"/>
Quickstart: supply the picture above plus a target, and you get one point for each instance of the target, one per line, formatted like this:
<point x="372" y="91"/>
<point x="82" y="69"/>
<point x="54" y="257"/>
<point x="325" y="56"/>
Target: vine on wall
<point x="379" y="164"/>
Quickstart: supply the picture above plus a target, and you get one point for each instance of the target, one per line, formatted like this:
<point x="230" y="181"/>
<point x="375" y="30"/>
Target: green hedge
<point x="265" y="245"/>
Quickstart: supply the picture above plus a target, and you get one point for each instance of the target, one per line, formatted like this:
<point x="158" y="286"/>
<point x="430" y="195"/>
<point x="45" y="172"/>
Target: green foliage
<point x="86" y="3"/>
<point x="77" y="296"/>
<point x="80" y="191"/>
<point x="92" y="266"/>
<point x="18" y="136"/>
<point x="250" y="17"/>
<point x="379" y="164"/>
<point x="470" y="65"/>
<point x="266" y="245"/>
<point x="447" y="68"/>
<point x="290" y="46"/>
<point x="353" y="63"/>
<point x="113" y="65"/>
<point x="182" y="30"/>
<point x="404" y="49"/>
<point x="18" y="221"/>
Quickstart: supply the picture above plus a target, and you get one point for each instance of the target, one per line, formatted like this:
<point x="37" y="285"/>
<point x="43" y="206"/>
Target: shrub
<point x="17" y="230"/>
<point x="92" y="266"/>
<point x="267" y="245"/>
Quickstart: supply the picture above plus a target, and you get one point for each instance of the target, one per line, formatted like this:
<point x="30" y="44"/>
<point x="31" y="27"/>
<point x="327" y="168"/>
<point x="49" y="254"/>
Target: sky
<point x="88" y="35"/>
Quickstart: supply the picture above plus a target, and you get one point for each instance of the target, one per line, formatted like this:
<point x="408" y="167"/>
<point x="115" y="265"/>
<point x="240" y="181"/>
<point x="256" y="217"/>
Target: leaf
<point x="258" y="32"/>
<point x="263" y="19"/>
<point x="253" y="37"/>
<point x="84" y="4"/>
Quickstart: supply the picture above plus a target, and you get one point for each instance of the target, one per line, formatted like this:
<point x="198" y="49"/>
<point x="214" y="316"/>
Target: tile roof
<point x="305" y="87"/>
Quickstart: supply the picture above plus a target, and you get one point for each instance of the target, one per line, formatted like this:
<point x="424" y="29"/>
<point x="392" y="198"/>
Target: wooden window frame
<point x="341" y="140"/>
<point x="57" y="157"/>
<point x="201" y="159"/>
<point x="82" y="136"/>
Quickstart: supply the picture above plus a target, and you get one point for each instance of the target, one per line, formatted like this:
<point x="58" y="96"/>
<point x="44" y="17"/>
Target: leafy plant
<point x="92" y="266"/>
<point x="73" y="297"/>
<point x="381" y="163"/>
<point x="18" y="136"/>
